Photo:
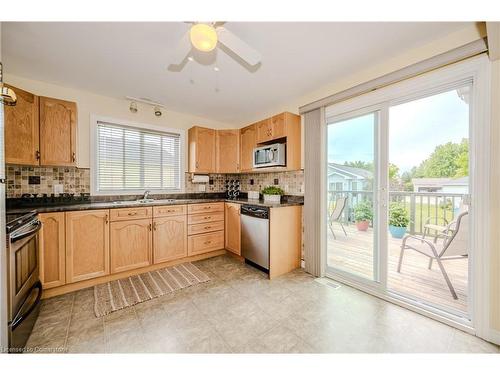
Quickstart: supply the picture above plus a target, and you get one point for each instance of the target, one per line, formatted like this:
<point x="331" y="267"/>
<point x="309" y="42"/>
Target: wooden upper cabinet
<point x="264" y="133"/>
<point x="130" y="244"/>
<point x="228" y="151"/>
<point x="87" y="244"/>
<point x="58" y="120"/>
<point x="201" y="150"/>
<point x="233" y="228"/>
<point x="52" y="250"/>
<point x="278" y="126"/>
<point x="272" y="128"/>
<point x="247" y="144"/>
<point x="169" y="238"/>
<point x="21" y="130"/>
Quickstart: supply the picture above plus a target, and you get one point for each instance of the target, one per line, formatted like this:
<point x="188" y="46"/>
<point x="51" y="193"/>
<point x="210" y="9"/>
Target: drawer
<point x="206" y="207"/>
<point x="162" y="211"/>
<point x="205" y="227"/>
<point x="208" y="217"/>
<point x="118" y="214"/>
<point x="204" y="243"/>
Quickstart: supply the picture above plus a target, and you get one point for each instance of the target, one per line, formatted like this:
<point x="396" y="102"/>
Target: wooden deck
<point x="354" y="253"/>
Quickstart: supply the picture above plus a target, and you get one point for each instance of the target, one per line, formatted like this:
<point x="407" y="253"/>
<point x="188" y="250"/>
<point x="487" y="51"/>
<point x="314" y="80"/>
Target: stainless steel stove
<point x="23" y="282"/>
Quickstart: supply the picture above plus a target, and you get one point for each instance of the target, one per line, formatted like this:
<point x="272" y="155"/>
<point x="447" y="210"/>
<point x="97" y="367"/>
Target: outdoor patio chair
<point x="335" y="215"/>
<point x="440" y="229"/>
<point x="455" y="246"/>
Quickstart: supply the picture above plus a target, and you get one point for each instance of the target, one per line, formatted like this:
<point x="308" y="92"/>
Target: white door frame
<point x="476" y="69"/>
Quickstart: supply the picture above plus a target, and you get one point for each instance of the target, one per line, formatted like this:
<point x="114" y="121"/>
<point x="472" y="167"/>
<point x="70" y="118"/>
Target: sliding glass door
<point x="352" y="184"/>
<point x="398" y="197"/>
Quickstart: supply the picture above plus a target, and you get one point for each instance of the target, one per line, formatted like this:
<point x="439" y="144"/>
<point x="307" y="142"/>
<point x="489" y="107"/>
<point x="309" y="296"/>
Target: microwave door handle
<point x="270" y="155"/>
<point x="20" y="317"/>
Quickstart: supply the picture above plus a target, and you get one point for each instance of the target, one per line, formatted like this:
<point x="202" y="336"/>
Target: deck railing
<point x="422" y="207"/>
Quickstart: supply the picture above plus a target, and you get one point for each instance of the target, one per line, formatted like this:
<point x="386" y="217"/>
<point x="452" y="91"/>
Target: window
<point x="354" y="185"/>
<point x="130" y="159"/>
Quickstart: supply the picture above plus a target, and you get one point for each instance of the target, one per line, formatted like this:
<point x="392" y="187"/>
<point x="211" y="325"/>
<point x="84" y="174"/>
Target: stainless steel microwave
<point x="269" y="156"/>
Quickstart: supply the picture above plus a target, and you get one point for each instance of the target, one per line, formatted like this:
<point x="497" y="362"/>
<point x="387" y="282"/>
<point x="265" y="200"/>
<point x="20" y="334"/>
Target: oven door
<point x="23" y="278"/>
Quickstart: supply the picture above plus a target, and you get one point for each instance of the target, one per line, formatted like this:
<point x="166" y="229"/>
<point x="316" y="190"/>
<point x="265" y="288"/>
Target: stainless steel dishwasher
<point x="255" y="235"/>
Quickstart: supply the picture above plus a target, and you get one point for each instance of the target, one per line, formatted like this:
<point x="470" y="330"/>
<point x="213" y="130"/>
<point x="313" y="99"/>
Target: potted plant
<point x="272" y="194"/>
<point x="398" y="220"/>
<point x="363" y="214"/>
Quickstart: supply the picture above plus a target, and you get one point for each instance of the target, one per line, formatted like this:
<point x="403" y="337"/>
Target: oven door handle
<point x="19" y="318"/>
<point x="26" y="234"/>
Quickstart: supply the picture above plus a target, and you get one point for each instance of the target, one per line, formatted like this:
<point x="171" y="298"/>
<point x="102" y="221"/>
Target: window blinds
<point x="133" y="159"/>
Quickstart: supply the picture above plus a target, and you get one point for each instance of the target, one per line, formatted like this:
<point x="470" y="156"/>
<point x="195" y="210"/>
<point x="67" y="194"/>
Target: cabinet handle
<point x="74" y="157"/>
<point x="207" y="217"/>
<point x="207" y="227"/>
<point x="207" y="242"/>
<point x="37" y="155"/>
<point x="106" y="221"/>
<point x="154" y="226"/>
<point x="207" y="207"/>
<point x="132" y="213"/>
<point x="150" y="227"/>
<point x="197" y="165"/>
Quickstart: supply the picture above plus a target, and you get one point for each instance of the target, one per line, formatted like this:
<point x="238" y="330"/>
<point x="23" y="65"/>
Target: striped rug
<point x="118" y="294"/>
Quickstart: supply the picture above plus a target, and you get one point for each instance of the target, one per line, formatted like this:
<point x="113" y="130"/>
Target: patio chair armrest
<point x="427" y="221"/>
<point x="422" y="240"/>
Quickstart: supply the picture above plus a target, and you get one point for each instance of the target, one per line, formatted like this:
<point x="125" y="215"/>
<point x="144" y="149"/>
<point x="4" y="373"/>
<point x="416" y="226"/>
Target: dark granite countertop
<point x="156" y="202"/>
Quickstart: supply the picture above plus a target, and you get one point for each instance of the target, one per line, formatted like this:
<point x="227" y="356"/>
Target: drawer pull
<point x="207" y="242"/>
<point x="207" y="227"/>
<point x="207" y="217"/>
<point x="149" y="226"/>
<point x="132" y="213"/>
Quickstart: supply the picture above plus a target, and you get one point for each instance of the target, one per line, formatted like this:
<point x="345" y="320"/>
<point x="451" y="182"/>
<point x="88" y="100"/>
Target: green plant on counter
<point x="398" y="216"/>
<point x="273" y="190"/>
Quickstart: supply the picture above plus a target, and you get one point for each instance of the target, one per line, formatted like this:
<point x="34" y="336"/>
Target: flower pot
<point x="397" y="232"/>
<point x="362" y="225"/>
<point x="272" y="198"/>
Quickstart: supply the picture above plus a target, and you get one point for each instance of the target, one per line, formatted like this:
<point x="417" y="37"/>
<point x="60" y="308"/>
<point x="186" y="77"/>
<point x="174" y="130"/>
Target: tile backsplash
<point x="41" y="180"/>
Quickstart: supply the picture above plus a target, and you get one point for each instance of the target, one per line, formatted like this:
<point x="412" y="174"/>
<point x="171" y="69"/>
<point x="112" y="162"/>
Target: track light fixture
<point x="133" y="107"/>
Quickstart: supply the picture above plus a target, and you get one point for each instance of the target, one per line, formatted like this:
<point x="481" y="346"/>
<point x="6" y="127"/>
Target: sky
<point x="415" y="129"/>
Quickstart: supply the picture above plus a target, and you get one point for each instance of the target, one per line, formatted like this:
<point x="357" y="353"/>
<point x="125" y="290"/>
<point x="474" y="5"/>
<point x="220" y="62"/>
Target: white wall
<point x="90" y="103"/>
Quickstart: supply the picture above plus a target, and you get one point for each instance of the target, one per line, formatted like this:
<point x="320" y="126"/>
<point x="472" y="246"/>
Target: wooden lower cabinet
<point x="87" y="244"/>
<point x="52" y="250"/>
<point x="232" y="228"/>
<point x="204" y="243"/>
<point x="130" y="244"/>
<point x="169" y="238"/>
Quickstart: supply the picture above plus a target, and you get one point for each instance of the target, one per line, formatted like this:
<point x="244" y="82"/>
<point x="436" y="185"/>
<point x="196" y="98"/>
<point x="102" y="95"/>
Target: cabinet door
<point x="87" y="245"/>
<point x="52" y="250"/>
<point x="247" y="145"/>
<point x="21" y="130"/>
<point x="169" y="238"/>
<point x="264" y="131"/>
<point x="57" y="132"/>
<point x="201" y="150"/>
<point x="278" y="126"/>
<point x="228" y="151"/>
<point x="130" y="244"/>
<point x="232" y="230"/>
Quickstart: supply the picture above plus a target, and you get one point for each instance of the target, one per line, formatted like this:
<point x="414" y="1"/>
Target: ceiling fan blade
<point x="182" y="50"/>
<point x="239" y="47"/>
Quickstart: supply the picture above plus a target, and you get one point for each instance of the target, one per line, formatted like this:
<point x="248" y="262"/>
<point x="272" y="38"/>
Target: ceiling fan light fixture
<point x="203" y="37"/>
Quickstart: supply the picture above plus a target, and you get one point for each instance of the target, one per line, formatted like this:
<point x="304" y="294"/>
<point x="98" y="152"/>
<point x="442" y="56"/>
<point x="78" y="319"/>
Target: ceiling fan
<point x="205" y="37"/>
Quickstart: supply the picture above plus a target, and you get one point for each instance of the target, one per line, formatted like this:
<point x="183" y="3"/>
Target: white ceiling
<point x="120" y="59"/>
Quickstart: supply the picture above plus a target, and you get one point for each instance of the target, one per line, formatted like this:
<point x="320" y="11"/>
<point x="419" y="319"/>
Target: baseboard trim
<point x="68" y="288"/>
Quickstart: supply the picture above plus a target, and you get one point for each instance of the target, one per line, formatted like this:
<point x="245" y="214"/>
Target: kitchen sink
<point x="144" y="201"/>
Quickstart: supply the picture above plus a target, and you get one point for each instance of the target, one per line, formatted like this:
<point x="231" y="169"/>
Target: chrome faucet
<point x="146" y="194"/>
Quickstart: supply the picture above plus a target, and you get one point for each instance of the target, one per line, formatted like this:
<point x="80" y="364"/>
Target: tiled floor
<point x="241" y="311"/>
